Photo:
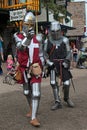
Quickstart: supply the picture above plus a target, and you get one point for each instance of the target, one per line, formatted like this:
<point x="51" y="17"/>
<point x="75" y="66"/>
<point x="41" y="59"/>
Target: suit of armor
<point x="57" y="54"/>
<point x="28" y="46"/>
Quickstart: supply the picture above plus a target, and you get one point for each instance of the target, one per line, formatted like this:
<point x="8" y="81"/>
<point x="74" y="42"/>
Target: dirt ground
<point x="13" y="106"/>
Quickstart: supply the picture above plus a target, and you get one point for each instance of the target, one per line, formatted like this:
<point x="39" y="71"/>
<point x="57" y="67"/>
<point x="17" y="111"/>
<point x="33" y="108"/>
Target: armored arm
<point x="41" y="52"/>
<point x="46" y="55"/>
<point x="21" y="39"/>
<point x="66" y="41"/>
<point x="66" y="62"/>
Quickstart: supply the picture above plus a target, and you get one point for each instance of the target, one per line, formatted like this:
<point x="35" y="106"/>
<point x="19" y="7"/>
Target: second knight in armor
<point x="57" y="54"/>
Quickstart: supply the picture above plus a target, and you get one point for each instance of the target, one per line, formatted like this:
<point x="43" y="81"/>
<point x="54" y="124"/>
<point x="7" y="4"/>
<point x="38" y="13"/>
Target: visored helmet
<point x="29" y="23"/>
<point x="55" y="29"/>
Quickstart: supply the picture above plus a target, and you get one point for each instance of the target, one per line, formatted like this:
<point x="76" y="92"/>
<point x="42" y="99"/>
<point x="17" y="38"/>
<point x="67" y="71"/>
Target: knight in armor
<point x="57" y="54"/>
<point x="29" y="53"/>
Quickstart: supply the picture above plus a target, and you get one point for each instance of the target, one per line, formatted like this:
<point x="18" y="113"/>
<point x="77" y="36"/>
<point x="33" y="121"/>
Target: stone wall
<point x="77" y="9"/>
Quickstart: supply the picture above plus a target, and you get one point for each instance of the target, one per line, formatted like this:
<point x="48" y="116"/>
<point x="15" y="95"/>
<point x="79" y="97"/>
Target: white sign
<point x="17" y="15"/>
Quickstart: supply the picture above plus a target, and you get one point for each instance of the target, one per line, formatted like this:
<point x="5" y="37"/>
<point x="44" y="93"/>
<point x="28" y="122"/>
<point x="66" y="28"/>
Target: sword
<point x="73" y="84"/>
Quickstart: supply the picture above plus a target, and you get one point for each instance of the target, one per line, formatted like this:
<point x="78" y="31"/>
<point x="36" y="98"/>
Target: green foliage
<point x="56" y="9"/>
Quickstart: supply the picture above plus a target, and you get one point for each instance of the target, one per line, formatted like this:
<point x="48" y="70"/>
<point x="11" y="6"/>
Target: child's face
<point x="10" y="57"/>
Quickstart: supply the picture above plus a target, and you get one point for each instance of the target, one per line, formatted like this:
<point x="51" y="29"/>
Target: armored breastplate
<point x="59" y="52"/>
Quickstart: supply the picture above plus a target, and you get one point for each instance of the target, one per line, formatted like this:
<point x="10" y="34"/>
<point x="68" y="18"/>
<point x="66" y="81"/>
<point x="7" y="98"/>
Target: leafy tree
<point x="55" y="8"/>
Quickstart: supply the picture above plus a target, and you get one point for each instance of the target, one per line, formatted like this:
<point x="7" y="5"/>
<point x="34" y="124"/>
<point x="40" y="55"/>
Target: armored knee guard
<point x="27" y="92"/>
<point x="25" y="89"/>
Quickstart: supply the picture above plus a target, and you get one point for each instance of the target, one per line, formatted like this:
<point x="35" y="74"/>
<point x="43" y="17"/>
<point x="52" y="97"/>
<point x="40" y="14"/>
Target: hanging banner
<point x="17" y="15"/>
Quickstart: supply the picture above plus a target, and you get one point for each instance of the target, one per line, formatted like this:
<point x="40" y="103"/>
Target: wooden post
<point x="20" y="25"/>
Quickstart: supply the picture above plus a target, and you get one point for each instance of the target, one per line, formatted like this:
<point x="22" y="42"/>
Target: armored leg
<point x="66" y="87"/>
<point x="28" y="96"/>
<point x="55" y="89"/>
<point x="36" y="93"/>
<point x="27" y="92"/>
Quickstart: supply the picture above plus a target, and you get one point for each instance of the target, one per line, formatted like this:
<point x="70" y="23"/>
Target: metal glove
<point x="49" y="62"/>
<point x="66" y="63"/>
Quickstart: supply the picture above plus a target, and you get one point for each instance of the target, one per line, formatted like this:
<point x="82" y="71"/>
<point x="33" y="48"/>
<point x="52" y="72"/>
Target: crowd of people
<point x="37" y="58"/>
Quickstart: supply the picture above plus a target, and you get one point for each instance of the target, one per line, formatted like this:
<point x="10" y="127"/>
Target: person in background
<point x="71" y="59"/>
<point x="75" y="55"/>
<point x="1" y="55"/>
<point x="9" y="63"/>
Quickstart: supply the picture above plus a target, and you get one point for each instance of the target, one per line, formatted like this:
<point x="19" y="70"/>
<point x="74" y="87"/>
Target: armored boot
<point x="66" y="96"/>
<point x="57" y="104"/>
<point x="34" y="121"/>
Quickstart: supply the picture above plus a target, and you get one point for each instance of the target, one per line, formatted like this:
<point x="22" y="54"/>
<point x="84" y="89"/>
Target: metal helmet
<point x="29" y="23"/>
<point x="29" y="17"/>
<point x="55" y="29"/>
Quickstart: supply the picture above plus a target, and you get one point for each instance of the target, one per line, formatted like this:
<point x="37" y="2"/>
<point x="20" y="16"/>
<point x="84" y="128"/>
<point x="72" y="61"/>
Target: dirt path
<point x="13" y="107"/>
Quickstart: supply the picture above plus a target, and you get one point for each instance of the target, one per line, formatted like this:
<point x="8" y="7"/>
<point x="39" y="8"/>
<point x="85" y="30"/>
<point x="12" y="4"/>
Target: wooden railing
<point x="15" y="4"/>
